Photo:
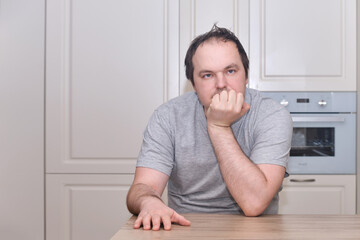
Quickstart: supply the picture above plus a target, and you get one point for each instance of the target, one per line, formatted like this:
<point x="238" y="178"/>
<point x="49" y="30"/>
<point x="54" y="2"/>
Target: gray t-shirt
<point x="176" y="142"/>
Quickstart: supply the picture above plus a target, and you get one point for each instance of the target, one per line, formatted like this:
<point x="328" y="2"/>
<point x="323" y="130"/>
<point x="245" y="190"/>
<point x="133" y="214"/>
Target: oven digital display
<point x="302" y="100"/>
<point x="310" y="141"/>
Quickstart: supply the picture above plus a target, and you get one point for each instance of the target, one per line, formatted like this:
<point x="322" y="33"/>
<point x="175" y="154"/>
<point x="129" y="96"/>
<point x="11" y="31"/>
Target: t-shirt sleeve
<point x="157" y="150"/>
<point x="272" y="136"/>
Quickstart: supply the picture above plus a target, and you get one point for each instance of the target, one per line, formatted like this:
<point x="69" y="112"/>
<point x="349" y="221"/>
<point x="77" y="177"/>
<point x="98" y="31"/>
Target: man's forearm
<point x="137" y="194"/>
<point x="245" y="181"/>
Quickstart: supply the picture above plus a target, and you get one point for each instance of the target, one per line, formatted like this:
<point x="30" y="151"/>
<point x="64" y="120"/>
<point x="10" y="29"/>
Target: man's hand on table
<point x="154" y="212"/>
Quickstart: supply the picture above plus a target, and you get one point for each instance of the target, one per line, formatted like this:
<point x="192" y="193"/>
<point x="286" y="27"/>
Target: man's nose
<point x="221" y="81"/>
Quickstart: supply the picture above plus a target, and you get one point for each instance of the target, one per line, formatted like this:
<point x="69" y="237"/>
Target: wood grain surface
<point x="222" y="226"/>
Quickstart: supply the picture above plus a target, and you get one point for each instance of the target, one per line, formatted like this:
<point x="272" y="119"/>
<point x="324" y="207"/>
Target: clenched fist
<point x="226" y="108"/>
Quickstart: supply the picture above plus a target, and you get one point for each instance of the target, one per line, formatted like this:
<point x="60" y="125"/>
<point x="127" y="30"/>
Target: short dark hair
<point x="217" y="33"/>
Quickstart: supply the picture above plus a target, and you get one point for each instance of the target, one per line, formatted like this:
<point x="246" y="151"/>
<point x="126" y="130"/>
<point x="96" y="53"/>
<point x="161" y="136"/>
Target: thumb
<point x="181" y="220"/>
<point x="245" y="108"/>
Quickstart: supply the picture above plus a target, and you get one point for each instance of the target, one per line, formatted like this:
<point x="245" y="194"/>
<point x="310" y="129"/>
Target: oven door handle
<point x="318" y="119"/>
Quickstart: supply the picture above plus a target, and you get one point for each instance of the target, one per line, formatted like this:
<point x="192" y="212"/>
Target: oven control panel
<point x="315" y="101"/>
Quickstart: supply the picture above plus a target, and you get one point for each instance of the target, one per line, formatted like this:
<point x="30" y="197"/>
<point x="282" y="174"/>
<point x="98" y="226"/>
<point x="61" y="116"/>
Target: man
<point x="222" y="148"/>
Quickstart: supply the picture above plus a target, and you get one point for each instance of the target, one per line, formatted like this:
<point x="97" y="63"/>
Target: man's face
<point x="217" y="67"/>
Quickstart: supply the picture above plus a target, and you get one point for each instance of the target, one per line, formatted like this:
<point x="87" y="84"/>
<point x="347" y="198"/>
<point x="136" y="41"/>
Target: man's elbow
<point x="252" y="213"/>
<point x="254" y="210"/>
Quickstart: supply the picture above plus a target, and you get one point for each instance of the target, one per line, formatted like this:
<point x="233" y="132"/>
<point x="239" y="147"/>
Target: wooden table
<point x="222" y="226"/>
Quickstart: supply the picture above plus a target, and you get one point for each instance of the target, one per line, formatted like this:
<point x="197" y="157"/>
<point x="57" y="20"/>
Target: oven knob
<point x="322" y="103"/>
<point x="284" y="102"/>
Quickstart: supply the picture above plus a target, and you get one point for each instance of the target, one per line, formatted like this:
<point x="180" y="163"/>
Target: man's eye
<point x="231" y="71"/>
<point x="207" y="75"/>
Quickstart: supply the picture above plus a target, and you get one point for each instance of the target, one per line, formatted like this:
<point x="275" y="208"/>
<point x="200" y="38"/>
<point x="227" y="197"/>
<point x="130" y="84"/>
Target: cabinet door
<point x="303" y="45"/>
<point x="22" y="119"/>
<point x="109" y="65"/>
<point x="85" y="206"/>
<point x="318" y="194"/>
<point x="198" y="16"/>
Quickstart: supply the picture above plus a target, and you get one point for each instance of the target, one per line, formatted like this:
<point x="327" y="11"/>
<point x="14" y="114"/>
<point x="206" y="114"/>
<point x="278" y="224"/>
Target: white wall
<point x="22" y="119"/>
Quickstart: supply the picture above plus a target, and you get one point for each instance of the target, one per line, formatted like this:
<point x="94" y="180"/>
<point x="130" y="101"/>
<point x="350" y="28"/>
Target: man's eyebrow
<point x="204" y="71"/>
<point x="232" y="66"/>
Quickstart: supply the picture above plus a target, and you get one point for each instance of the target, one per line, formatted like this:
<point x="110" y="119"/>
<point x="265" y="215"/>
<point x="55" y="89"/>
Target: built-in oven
<point x="324" y="131"/>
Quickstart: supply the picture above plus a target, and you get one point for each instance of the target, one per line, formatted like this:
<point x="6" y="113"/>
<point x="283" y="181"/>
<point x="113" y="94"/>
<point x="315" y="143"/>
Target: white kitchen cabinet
<point x="318" y="194"/>
<point x="109" y="65"/>
<point x="22" y="38"/>
<point x="303" y="45"/>
<point x="85" y="206"/>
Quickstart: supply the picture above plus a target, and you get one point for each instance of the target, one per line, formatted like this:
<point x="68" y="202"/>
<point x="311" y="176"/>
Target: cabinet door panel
<point x="107" y="70"/>
<point x="208" y="12"/>
<point x="303" y="45"/>
<point x="324" y="194"/>
<point x="85" y="206"/>
<point x="312" y="200"/>
<point x="22" y="119"/>
<point x="298" y="46"/>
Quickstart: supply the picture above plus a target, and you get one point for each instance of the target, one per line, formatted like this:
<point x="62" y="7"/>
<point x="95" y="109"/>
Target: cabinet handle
<point x="318" y="119"/>
<point x="302" y="180"/>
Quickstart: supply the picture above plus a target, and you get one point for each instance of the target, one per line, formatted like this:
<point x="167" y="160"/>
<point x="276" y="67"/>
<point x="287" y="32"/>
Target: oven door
<point x="323" y="144"/>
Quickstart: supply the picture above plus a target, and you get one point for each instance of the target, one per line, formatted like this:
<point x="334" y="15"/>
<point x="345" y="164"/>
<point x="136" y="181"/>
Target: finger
<point x="177" y="218"/>
<point x="137" y="223"/>
<point x="245" y="108"/>
<point x="223" y="96"/>
<point x="239" y="99"/>
<point x="167" y="222"/>
<point x="216" y="98"/>
<point x="146" y="222"/>
<point x="232" y="97"/>
<point x="239" y="102"/>
<point x="156" y="222"/>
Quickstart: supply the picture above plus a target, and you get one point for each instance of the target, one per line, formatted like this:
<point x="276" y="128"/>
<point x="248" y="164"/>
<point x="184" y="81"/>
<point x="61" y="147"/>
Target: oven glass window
<point x="313" y="142"/>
